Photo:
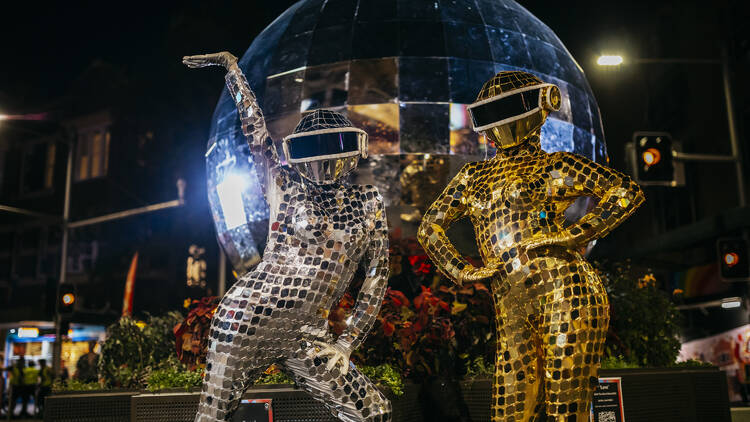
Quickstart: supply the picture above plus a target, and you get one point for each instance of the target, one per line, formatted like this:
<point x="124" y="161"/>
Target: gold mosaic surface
<point x="552" y="311"/>
<point x="506" y="82"/>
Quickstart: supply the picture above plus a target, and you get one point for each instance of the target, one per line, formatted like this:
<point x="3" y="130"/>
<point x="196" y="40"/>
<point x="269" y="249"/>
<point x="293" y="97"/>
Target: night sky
<point x="47" y="49"/>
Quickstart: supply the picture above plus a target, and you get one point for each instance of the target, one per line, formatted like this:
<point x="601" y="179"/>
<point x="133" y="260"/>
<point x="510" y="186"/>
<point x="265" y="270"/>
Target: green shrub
<point x="385" y="375"/>
<point x="174" y="377"/>
<point x="478" y="368"/>
<point x="130" y="353"/>
<point x="74" y="385"/>
<point x="644" y="322"/>
<point x="617" y="362"/>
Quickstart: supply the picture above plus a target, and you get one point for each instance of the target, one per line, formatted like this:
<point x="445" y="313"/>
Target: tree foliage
<point x="644" y="322"/>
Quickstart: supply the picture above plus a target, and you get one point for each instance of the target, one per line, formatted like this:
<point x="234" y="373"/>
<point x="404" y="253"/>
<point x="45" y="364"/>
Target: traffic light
<point x="66" y="299"/>
<point x="651" y="156"/>
<point x="733" y="259"/>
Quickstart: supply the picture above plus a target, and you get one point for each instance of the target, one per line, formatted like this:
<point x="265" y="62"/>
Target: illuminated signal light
<point x="731" y="259"/>
<point x="68" y="299"/>
<point x="651" y="156"/>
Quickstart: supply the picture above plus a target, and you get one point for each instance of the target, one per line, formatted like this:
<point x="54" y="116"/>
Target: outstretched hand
<point x="335" y="354"/>
<point x="224" y="58"/>
<point x="472" y="274"/>
<point x="557" y="239"/>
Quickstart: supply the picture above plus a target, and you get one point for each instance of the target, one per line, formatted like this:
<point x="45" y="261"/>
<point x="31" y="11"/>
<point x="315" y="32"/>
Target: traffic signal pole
<point x="732" y="123"/>
<point x="57" y="345"/>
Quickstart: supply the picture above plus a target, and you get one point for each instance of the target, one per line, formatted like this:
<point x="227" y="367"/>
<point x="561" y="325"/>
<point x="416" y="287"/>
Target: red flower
<point x="388" y="328"/>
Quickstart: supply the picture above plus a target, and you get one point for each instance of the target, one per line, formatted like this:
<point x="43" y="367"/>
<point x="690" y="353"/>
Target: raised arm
<point x="447" y="208"/>
<point x="616" y="194"/>
<point x="264" y="153"/>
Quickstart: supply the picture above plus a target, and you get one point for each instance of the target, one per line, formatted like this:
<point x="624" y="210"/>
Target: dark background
<point x="73" y="58"/>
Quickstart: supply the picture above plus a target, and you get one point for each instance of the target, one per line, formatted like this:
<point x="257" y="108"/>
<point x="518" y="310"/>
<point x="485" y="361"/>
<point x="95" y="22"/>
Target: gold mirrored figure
<point x="551" y="309"/>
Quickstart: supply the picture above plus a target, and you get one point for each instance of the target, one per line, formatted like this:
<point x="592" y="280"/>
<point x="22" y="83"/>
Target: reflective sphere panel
<point x="404" y="71"/>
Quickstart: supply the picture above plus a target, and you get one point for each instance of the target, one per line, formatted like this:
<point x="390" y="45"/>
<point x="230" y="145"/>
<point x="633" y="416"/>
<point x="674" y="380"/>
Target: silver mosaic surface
<point x="277" y="313"/>
<point x="404" y="71"/>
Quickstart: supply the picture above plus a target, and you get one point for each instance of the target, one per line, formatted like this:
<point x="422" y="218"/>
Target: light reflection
<point x="230" y="196"/>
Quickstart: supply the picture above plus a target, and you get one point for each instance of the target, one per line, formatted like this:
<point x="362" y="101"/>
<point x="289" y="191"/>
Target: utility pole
<point x="57" y="345"/>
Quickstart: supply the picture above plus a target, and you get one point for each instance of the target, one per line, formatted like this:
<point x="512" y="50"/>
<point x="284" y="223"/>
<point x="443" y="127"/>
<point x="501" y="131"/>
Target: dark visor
<point x="506" y="107"/>
<point x="323" y="144"/>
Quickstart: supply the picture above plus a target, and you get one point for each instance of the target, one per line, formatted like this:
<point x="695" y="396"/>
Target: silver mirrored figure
<point x="321" y="229"/>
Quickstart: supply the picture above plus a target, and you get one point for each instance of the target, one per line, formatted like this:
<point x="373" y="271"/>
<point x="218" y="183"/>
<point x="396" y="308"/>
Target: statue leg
<point x="351" y="397"/>
<point x="574" y="329"/>
<point x="232" y="365"/>
<point x="517" y="392"/>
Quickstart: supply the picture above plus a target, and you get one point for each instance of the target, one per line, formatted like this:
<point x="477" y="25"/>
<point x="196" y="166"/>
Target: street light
<point x="609" y="60"/>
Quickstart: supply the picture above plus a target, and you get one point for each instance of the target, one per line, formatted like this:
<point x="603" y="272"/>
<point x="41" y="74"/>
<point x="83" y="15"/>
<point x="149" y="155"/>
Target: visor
<point x="323" y="144"/>
<point x="506" y="107"/>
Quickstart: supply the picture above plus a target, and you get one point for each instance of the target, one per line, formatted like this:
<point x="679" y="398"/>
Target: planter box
<point x="673" y="394"/>
<point x="664" y="395"/>
<point x="289" y="405"/>
<point x="88" y="406"/>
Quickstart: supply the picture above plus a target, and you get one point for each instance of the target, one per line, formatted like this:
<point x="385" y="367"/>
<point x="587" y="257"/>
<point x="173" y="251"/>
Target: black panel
<point x="424" y="128"/>
<point x="423" y="79"/>
<point x="332" y="44"/>
<point x="579" y="106"/>
<point x="461" y="11"/>
<point x="421" y="39"/>
<point x="467" y="78"/>
<point x="582" y="142"/>
<point x="418" y="10"/>
<point x="568" y="69"/>
<point x="375" y="40"/>
<point x="336" y="12"/>
<point x="376" y="10"/>
<point x="467" y="41"/>
<point x="291" y="54"/>
<point x="497" y="15"/>
<point x="544" y="57"/>
<point x="304" y="18"/>
<point x="373" y="81"/>
<point x="508" y="47"/>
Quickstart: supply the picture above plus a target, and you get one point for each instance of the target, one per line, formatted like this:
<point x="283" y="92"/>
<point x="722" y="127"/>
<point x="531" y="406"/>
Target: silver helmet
<point x="325" y="146"/>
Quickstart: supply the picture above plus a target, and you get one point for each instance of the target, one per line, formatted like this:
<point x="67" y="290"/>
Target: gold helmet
<point x="512" y="106"/>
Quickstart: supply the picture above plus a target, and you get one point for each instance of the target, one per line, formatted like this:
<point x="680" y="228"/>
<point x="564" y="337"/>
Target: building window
<point x="38" y="166"/>
<point x="92" y="154"/>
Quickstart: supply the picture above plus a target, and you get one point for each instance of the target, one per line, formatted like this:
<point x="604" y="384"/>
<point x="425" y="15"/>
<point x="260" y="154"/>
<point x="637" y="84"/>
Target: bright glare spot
<point x="28" y="332"/>
<point x="609" y="60"/>
<point x="651" y="156"/>
<point x="68" y="299"/>
<point x="230" y="197"/>
<point x="3" y="116"/>
<point x="731" y="302"/>
<point x="731" y="259"/>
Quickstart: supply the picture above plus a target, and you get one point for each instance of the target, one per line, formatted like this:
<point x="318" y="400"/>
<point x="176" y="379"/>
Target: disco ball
<point x="404" y="71"/>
